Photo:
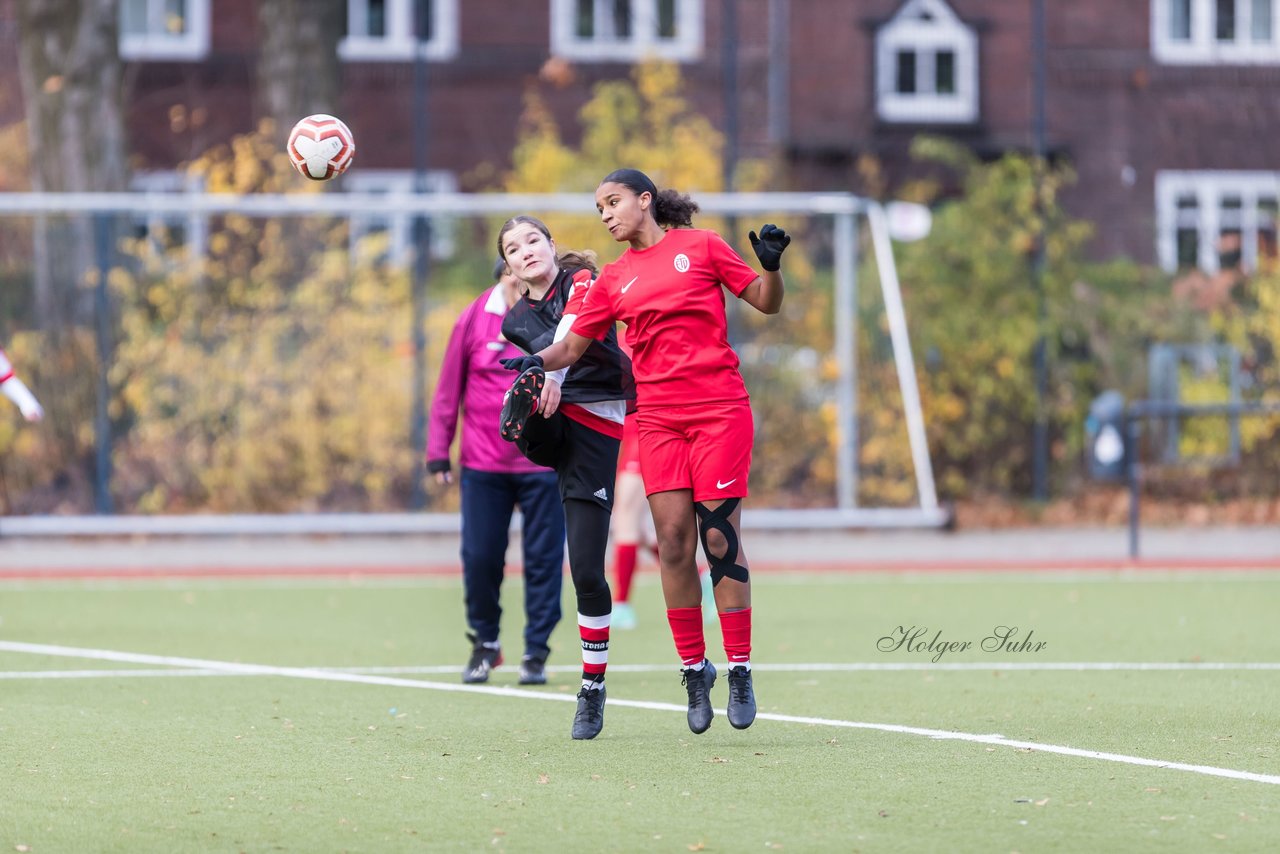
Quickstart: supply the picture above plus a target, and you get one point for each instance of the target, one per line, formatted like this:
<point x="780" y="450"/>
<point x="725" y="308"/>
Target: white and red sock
<point x="594" y="632"/>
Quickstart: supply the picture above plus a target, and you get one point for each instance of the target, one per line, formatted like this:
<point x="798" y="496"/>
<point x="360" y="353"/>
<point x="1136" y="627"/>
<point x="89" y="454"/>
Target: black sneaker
<point x="485" y="657"/>
<point x="742" y="698"/>
<point x="589" y="719"/>
<point x="698" y="683"/>
<point x="533" y="670"/>
<point x="520" y="402"/>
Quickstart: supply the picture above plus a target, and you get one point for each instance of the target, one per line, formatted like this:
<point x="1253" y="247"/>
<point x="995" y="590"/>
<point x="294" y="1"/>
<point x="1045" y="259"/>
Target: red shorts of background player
<point x="629" y="453"/>
<point x="706" y="448"/>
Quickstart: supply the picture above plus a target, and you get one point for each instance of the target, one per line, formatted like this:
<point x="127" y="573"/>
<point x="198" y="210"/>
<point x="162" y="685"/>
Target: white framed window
<point x="175" y="238"/>
<point x="626" y="30"/>
<point x="1216" y="220"/>
<point x="927" y="66"/>
<point x="1216" y="32"/>
<point x="164" y="29"/>
<point x="387" y="238"/>
<point x="394" y="30"/>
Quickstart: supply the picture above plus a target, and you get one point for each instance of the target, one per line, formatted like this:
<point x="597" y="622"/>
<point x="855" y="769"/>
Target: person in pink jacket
<point x="495" y="479"/>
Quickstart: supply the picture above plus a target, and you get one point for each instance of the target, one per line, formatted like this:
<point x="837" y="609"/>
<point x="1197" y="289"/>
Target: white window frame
<point x="158" y="44"/>
<point x="398" y="224"/>
<point x="643" y="43"/>
<point x="944" y="32"/>
<point x="399" y="43"/>
<point x="1203" y="48"/>
<point x="1209" y="188"/>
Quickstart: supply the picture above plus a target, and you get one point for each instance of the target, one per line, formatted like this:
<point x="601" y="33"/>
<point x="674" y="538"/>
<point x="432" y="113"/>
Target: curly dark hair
<point x="671" y="208"/>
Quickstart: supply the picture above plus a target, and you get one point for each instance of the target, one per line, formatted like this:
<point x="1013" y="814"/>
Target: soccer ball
<point x="321" y="147"/>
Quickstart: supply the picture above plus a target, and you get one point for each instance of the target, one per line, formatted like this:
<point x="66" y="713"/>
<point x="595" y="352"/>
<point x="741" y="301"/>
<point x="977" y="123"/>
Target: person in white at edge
<point x="17" y="391"/>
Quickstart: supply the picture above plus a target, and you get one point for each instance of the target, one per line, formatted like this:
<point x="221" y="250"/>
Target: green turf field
<point x="249" y="753"/>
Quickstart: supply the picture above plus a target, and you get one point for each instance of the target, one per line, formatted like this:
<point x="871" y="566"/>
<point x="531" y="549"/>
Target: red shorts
<point x="629" y="453"/>
<point x="706" y="448"/>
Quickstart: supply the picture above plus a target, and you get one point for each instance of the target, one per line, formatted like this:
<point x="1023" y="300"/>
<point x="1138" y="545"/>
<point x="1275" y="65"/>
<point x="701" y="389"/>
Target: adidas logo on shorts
<point x="601" y="494"/>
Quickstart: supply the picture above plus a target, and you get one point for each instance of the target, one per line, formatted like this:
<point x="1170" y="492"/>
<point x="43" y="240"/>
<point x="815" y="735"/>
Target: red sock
<point x="624" y="567"/>
<point x="686" y="631"/>
<point x="736" y="628"/>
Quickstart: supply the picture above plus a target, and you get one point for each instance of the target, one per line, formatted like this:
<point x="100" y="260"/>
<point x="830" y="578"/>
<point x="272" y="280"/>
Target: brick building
<point x="1164" y="107"/>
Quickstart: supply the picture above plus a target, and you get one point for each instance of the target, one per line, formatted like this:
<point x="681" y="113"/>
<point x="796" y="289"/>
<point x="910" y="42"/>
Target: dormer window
<point x="927" y="66"/>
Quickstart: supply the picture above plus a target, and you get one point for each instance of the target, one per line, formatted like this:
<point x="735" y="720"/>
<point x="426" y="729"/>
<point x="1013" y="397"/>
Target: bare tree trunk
<point x="71" y="83"/>
<point x="298" y="68"/>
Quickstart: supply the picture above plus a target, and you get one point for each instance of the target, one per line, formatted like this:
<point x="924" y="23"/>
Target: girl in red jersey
<point x="570" y="421"/>
<point x="632" y="530"/>
<point x="693" y="411"/>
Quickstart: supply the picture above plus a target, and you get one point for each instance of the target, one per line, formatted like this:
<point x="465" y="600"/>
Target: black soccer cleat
<point x="485" y="657"/>
<point x="698" y="683"/>
<point x="742" y="698"/>
<point x="521" y="402"/>
<point x="533" y="670"/>
<point x="589" y="719"/>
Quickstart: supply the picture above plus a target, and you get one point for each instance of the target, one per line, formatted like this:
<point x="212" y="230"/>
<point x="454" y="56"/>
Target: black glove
<point x="437" y="466"/>
<point x="522" y="363"/>
<point x="769" y="246"/>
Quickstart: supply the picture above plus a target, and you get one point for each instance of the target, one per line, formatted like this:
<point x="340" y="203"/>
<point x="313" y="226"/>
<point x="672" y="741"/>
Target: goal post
<point x="835" y="221"/>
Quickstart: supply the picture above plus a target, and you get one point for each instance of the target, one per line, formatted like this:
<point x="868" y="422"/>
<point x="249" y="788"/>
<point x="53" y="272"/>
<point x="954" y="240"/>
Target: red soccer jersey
<point x="670" y="298"/>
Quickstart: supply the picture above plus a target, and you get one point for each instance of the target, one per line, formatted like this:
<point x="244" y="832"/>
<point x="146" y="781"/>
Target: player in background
<point x="628" y="525"/>
<point x="17" y="391"/>
<point x="693" y="411"/>
<point x="494" y="480"/>
<point x="571" y="421"/>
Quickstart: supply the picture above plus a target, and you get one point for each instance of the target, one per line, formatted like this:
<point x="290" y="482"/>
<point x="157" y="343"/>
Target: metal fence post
<point x="102" y="416"/>
<point x="846" y="340"/>
<point x="1135" y="492"/>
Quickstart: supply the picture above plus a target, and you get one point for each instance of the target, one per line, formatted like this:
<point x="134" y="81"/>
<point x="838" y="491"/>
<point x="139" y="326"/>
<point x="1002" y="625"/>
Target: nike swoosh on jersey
<point x="726" y="484"/>
<point x="628" y="285"/>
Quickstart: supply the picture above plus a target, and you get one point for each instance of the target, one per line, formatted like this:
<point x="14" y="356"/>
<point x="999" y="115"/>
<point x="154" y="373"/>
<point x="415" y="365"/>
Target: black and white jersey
<point x="604" y="371"/>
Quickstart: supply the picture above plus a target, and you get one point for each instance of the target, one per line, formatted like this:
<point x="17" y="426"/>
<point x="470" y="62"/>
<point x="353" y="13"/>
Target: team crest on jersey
<point x="682" y="263"/>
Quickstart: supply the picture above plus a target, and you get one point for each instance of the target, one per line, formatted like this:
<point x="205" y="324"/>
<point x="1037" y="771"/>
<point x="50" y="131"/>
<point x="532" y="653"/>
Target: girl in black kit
<point x="570" y="421"/>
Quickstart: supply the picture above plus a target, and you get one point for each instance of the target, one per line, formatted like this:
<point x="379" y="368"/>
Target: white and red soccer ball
<point x="321" y="147"/>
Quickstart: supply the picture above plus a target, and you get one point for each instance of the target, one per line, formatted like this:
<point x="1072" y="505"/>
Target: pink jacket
<point x="473" y="382"/>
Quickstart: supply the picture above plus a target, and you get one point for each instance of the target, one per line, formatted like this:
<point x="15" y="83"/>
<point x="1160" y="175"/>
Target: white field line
<point x="800" y="667"/>
<point x="108" y="674"/>
<point x="231" y="667"/>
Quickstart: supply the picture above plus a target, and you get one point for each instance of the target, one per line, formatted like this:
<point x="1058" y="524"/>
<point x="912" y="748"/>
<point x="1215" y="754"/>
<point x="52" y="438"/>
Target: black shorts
<point x="585" y="460"/>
